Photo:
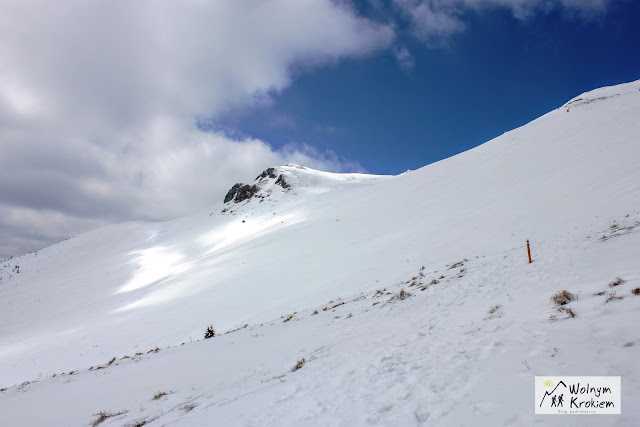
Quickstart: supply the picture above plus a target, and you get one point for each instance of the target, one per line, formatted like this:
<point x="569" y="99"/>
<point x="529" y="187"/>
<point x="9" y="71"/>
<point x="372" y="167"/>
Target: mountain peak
<point x="265" y="182"/>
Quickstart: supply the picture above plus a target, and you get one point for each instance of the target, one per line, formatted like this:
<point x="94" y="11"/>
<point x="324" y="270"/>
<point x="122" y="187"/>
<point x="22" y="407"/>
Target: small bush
<point x="616" y="282"/>
<point x="299" y="364"/>
<point x="562" y="298"/>
<point x="636" y="291"/>
<point x="209" y="333"/>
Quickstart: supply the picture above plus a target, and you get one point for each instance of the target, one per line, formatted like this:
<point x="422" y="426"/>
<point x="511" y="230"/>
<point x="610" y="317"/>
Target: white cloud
<point x="404" y="58"/>
<point x="434" y="21"/>
<point x="98" y="102"/>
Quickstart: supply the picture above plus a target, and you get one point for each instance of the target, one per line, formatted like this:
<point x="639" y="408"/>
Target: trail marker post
<point x="529" y="251"/>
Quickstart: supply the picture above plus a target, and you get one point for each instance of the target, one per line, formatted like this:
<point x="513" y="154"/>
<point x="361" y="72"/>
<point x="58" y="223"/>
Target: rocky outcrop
<point x="240" y="192"/>
<point x="282" y="182"/>
<point x="271" y="173"/>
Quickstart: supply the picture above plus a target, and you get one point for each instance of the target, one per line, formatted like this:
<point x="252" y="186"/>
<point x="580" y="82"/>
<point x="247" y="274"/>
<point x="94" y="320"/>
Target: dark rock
<point x="270" y="172"/>
<point x="240" y="192"/>
<point x="282" y="182"/>
<point x="231" y="193"/>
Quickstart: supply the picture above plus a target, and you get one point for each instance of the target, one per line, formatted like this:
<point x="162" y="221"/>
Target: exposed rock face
<point x="271" y="173"/>
<point x="282" y="182"/>
<point x="240" y="192"/>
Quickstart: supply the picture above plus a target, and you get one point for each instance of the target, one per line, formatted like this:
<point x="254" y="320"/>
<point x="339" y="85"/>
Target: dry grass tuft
<point x="612" y="296"/>
<point x="139" y="423"/>
<point x="103" y="415"/>
<point x="457" y="264"/>
<point x="562" y="298"/>
<point x="299" y="364"/>
<point x="494" y="308"/>
<point x="567" y="310"/>
<point x="400" y="296"/>
<point x="161" y="394"/>
<point x="288" y="318"/>
<point x="618" y="280"/>
<point x="189" y="407"/>
<point x="636" y="291"/>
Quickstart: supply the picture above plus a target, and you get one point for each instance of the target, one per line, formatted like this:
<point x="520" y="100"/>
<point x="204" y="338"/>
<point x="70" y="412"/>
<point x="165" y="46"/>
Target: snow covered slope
<point x="569" y="181"/>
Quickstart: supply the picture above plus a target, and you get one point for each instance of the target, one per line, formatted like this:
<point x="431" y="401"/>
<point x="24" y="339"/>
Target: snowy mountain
<point x="401" y="299"/>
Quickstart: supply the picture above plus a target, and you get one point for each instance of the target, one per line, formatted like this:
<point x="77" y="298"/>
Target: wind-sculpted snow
<point x="410" y="298"/>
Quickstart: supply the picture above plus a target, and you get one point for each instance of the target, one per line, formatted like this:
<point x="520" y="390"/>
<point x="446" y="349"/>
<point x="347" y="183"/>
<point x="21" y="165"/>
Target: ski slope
<point x="568" y="181"/>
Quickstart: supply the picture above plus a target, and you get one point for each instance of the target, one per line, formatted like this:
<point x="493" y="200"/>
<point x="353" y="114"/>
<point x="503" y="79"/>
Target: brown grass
<point x="494" y="308"/>
<point x="160" y="394"/>
<point x="138" y="423"/>
<point x="618" y="280"/>
<point x="299" y="364"/>
<point x="103" y="415"/>
<point x="189" y="407"/>
<point x="288" y="318"/>
<point x="567" y="310"/>
<point x="612" y="296"/>
<point x="400" y="296"/>
<point x="562" y="297"/>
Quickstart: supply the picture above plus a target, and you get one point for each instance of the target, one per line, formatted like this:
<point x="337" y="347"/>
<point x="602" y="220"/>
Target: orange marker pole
<point x="529" y="251"/>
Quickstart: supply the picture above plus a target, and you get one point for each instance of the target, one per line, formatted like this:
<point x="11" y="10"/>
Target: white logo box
<point x="567" y="395"/>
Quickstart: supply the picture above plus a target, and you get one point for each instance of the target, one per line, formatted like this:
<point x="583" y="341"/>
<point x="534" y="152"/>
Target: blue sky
<point x="499" y="73"/>
<point x="120" y="110"/>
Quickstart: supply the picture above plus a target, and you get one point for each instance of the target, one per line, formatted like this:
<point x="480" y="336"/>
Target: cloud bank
<point x="99" y="100"/>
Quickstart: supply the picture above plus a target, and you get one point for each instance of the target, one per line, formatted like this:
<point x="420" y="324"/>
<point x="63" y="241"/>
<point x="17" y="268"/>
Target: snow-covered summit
<point x="293" y="179"/>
